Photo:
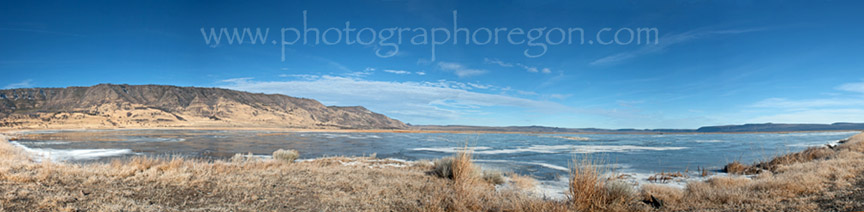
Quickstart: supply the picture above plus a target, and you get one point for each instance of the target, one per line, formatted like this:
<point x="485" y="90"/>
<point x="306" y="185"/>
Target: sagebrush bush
<point x="619" y="191"/>
<point x="522" y="182"/>
<point x="443" y="168"/>
<point x="286" y="155"/>
<point x="738" y="168"/>
<point x="242" y="158"/>
<point x="493" y="177"/>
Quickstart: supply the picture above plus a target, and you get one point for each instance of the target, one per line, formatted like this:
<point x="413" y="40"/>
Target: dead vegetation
<point x="249" y="183"/>
<point x="801" y="181"/>
<point x="664" y="177"/>
<point x="286" y="155"/>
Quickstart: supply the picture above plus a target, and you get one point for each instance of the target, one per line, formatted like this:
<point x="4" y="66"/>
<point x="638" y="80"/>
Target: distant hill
<point x="769" y="127"/>
<point x="109" y="105"/>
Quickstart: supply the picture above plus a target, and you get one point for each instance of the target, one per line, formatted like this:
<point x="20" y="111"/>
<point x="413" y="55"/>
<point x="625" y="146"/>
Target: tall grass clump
<point x="589" y="190"/>
<point x="586" y="188"/>
<point x="464" y="170"/>
<point x="460" y="168"/>
<point x="286" y="155"/>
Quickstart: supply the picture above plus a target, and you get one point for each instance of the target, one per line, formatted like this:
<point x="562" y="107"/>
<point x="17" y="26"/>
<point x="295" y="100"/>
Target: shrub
<point x="286" y="155"/>
<point x="812" y="153"/>
<point x="660" y="195"/>
<point x="522" y="182"/>
<point x="619" y="191"/>
<point x="443" y="168"/>
<point x="493" y="177"/>
<point x="738" y="168"/>
<point x="241" y="158"/>
<point x="459" y="167"/>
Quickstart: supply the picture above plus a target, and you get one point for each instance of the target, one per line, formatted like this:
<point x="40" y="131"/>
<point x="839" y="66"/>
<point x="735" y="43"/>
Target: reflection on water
<point x="543" y="156"/>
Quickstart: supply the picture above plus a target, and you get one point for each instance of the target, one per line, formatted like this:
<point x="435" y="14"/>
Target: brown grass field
<point x="829" y="179"/>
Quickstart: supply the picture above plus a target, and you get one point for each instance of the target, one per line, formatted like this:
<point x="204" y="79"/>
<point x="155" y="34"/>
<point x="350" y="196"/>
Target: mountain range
<point x="110" y="105"/>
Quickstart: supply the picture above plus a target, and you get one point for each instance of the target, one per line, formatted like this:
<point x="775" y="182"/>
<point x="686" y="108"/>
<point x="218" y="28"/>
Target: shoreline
<point x="278" y="129"/>
<point x="633" y="177"/>
<point x="358" y="183"/>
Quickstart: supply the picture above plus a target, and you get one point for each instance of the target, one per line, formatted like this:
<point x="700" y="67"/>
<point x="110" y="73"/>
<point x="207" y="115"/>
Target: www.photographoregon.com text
<point x="387" y="41"/>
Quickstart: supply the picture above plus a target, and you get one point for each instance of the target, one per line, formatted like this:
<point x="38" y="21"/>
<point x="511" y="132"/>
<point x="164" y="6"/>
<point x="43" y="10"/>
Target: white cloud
<point x="531" y="69"/>
<point x="560" y="96"/>
<point x="360" y="74"/>
<point x="300" y="76"/>
<point x="497" y="62"/>
<point x="843" y="107"/>
<point x="479" y="86"/>
<point x="22" y="84"/>
<point x="526" y="93"/>
<point x="460" y="70"/>
<point x="409" y="101"/>
<point x="857" y="87"/>
<point x="235" y="80"/>
<point x="421" y="73"/>
<point x="669" y="40"/>
<point x="397" y="71"/>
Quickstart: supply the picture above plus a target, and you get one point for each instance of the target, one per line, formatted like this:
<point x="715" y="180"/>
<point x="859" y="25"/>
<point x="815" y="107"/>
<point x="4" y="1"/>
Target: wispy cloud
<point x="397" y="71"/>
<point x="459" y="69"/>
<point x="857" y="87"/>
<point x="300" y="76"/>
<point x="497" y="62"/>
<point x="668" y="40"/>
<point x="531" y="69"/>
<point x="22" y="84"/>
<point x="360" y="74"/>
<point x="842" y="107"/>
<point x="411" y="101"/>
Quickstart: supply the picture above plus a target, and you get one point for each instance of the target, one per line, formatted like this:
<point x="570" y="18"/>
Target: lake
<point x="544" y="156"/>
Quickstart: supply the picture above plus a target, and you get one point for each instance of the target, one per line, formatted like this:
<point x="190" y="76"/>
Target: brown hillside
<point x="108" y="105"/>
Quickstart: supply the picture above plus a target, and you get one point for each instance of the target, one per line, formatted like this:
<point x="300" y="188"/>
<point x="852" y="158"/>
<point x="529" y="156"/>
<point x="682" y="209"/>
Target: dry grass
<point x="367" y="184"/>
<point x="522" y="182"/>
<point x="590" y="190"/>
<point x="810" y="154"/>
<point x="587" y="192"/>
<point x="803" y="181"/>
<point x="493" y="177"/>
<point x="286" y="155"/>
<point x="250" y="184"/>
<point x="739" y="168"/>
<point x="664" y="177"/>
<point x="443" y="168"/>
<point x="469" y="191"/>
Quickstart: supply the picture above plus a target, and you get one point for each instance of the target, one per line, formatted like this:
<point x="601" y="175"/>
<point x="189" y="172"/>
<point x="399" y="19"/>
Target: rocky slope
<point x="108" y="105"/>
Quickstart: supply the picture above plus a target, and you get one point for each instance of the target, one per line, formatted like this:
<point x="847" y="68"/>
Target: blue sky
<point x="713" y="62"/>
